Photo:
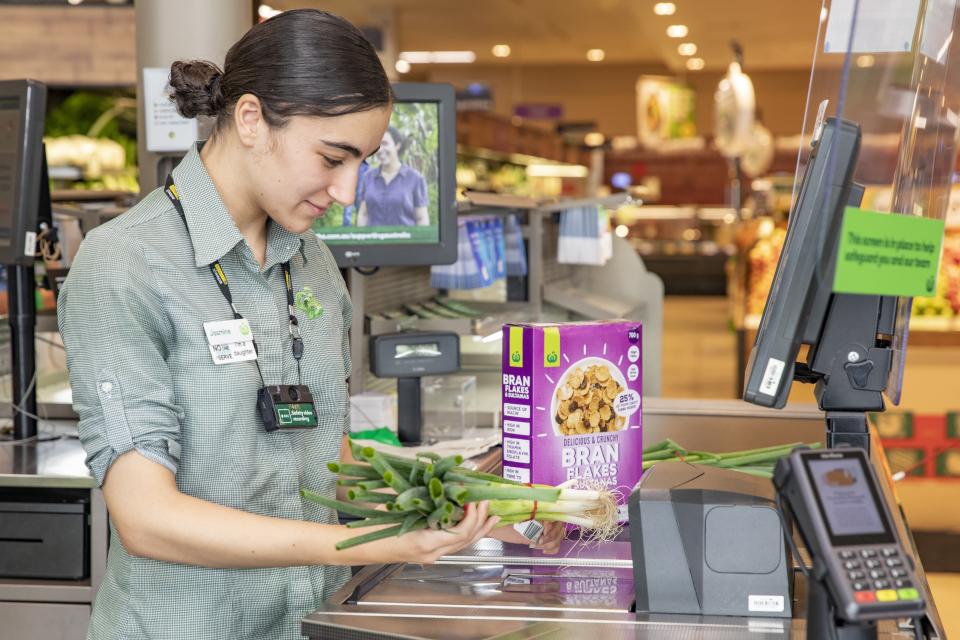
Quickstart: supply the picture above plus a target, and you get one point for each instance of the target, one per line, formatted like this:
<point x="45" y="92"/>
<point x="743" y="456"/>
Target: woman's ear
<point x="248" y="120"/>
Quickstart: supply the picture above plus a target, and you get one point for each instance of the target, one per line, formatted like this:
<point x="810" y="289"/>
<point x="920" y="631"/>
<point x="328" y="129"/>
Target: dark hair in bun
<point x="300" y="62"/>
<point x="195" y="88"/>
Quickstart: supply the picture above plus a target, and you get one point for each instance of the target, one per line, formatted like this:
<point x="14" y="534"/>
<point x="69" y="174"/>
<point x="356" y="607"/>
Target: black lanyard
<point x="224" y="284"/>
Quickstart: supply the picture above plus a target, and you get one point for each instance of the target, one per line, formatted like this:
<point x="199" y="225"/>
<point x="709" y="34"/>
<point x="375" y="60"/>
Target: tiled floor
<point x="699" y="362"/>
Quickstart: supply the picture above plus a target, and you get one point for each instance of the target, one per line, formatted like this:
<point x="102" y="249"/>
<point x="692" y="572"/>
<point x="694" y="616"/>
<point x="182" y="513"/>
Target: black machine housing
<point x="849" y="335"/>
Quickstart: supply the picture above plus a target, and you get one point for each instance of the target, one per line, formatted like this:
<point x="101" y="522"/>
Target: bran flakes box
<point x="572" y="404"/>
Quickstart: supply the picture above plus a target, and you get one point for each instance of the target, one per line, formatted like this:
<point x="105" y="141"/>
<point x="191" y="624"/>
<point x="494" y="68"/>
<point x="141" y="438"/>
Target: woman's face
<point x="312" y="162"/>
<point x="388" y="153"/>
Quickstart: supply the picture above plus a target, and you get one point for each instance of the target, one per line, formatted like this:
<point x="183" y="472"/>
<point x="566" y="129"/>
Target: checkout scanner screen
<point x="848" y="500"/>
<point x="9" y="161"/>
<point x="424" y="350"/>
<point x="398" y="188"/>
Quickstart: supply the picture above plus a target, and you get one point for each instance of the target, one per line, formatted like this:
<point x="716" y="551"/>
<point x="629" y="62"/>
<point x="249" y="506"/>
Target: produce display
<point x="756" y="462"/>
<point x="431" y="492"/>
<point x="761" y="267"/>
<point x="946" y="301"/>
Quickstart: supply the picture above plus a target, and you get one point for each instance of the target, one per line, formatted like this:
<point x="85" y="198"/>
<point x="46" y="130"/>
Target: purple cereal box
<point x="572" y="403"/>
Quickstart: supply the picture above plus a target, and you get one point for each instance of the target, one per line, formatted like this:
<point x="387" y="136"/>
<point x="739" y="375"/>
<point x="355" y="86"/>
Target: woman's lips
<point x="317" y="211"/>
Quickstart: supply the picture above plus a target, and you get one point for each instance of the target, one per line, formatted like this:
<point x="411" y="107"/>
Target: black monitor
<point x="849" y="356"/>
<point x="406" y="207"/>
<point x="22" y="114"/>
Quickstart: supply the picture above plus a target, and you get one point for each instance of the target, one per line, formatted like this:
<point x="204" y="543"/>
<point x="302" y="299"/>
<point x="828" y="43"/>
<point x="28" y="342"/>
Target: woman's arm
<point x="155" y="520"/>
<point x="362" y="214"/>
<point x="422" y="216"/>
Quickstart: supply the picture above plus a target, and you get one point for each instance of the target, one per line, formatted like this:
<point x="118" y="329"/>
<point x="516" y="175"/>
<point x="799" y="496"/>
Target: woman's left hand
<point x="548" y="542"/>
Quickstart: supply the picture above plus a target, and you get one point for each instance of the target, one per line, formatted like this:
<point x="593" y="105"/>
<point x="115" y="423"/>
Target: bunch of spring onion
<point x="757" y="462"/>
<point x="428" y="491"/>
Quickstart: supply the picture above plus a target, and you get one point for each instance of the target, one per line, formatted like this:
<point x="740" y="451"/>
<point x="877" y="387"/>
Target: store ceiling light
<point x="695" y="64"/>
<point x="866" y="61"/>
<point x="594" y="139"/>
<point x="438" y="57"/>
<point x="501" y="50"/>
<point x="664" y="8"/>
<point x="677" y="31"/>
<point x="557" y="171"/>
<point x="266" y="12"/>
<point x="402" y="66"/>
<point x="596" y="55"/>
<point x="74" y="2"/>
<point x="687" y="49"/>
<point x="622" y="231"/>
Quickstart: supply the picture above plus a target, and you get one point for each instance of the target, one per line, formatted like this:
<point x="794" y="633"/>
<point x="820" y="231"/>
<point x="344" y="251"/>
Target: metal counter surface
<point x="497" y="591"/>
<point x="35" y="467"/>
<point x="46" y="463"/>
<point x="503" y="591"/>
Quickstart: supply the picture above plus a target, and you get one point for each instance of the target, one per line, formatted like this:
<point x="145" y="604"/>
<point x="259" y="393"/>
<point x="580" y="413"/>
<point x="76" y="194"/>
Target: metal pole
<point x="21" y="289"/>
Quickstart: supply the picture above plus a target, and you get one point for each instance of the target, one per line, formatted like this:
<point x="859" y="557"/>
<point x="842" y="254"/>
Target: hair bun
<point x="195" y="88"/>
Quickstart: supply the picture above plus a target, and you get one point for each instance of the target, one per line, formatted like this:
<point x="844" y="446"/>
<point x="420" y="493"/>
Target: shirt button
<point x="106" y="387"/>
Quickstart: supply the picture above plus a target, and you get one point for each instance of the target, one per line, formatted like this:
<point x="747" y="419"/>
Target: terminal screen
<point x="848" y="501"/>
<point x="9" y="163"/>
<point x="397" y="198"/>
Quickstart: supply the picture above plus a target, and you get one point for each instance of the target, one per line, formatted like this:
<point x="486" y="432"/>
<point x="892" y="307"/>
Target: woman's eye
<point x="333" y="163"/>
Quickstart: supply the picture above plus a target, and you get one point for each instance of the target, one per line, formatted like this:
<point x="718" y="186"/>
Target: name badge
<point x="230" y="341"/>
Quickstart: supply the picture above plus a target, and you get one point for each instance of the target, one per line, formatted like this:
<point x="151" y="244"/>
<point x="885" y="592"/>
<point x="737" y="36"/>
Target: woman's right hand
<point x="427" y="546"/>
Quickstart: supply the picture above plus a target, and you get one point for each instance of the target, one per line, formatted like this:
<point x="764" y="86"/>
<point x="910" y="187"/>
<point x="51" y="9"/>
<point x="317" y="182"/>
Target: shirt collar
<point x="404" y="170"/>
<point x="212" y="229"/>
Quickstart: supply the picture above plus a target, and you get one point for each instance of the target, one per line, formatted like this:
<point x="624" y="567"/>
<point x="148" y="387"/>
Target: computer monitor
<point x="406" y="207"/>
<point x="22" y="114"/>
<point x="849" y="336"/>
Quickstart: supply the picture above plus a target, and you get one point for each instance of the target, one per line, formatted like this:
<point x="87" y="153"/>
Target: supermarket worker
<point x="210" y="537"/>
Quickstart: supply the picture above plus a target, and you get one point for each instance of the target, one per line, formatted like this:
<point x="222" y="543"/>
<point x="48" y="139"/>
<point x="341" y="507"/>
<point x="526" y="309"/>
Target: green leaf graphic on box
<point x="515" y="356"/>
<point x="552" y="357"/>
<point x="244" y="329"/>
<point x="306" y="302"/>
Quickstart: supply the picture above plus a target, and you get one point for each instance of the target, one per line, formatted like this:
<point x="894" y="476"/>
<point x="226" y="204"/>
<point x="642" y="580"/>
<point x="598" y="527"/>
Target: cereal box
<point x="572" y="403"/>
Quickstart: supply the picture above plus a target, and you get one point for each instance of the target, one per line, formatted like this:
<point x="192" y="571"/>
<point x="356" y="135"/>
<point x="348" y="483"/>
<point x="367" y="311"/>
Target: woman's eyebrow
<point x="372" y="153"/>
<point x="345" y="146"/>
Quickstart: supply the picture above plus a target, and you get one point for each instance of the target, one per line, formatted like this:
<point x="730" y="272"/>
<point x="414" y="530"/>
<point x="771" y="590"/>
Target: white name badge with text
<point x="230" y="341"/>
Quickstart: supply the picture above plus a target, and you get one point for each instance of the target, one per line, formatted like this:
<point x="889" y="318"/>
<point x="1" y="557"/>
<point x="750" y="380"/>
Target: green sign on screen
<point x="888" y="254"/>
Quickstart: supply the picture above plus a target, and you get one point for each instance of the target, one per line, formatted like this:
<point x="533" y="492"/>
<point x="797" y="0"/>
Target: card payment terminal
<point x="857" y="556"/>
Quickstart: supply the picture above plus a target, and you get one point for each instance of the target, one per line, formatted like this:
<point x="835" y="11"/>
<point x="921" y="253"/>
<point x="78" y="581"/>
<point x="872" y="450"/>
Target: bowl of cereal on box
<point x="585" y="397"/>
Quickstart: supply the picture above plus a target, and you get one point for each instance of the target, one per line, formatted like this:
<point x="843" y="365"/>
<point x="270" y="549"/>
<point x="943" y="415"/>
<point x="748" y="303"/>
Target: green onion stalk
<point x="757" y="462"/>
<point x="432" y="492"/>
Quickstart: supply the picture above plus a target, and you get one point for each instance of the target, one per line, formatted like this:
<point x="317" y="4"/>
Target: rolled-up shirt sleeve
<point x="115" y="329"/>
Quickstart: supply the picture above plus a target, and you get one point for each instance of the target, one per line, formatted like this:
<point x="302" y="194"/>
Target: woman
<point x="393" y="194"/>
<point x="176" y="314"/>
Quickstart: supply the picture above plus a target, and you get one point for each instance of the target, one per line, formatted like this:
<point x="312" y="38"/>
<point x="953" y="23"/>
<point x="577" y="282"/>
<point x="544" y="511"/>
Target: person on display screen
<point x="176" y="314"/>
<point x="392" y="194"/>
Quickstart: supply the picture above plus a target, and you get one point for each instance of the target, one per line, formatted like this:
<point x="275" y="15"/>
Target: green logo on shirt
<point x="306" y="302"/>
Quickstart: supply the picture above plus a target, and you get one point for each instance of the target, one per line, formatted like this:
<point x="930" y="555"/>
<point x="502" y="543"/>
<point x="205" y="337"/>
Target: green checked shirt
<point x="131" y="314"/>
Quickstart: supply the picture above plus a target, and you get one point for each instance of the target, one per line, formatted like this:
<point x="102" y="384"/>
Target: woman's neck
<point x="227" y="175"/>
<point x="390" y="168"/>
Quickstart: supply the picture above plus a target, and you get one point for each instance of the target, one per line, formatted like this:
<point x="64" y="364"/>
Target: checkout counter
<point x="496" y="590"/>
<point x="492" y="590"/>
